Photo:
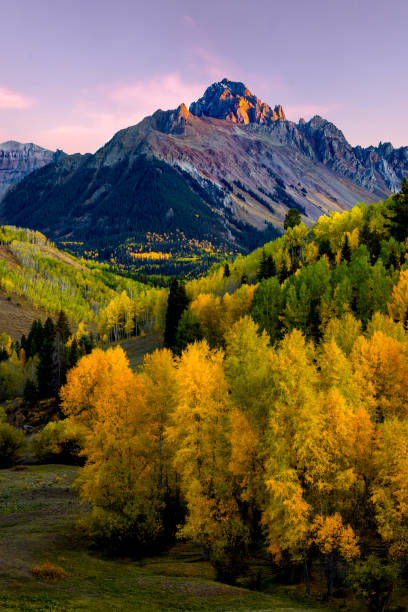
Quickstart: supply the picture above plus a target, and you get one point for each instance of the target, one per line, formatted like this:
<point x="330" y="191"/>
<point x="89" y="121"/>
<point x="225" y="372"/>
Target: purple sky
<point x="72" y="73"/>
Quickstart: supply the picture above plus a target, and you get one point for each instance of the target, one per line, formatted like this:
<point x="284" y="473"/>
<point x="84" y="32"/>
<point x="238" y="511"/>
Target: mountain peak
<point x="233" y="101"/>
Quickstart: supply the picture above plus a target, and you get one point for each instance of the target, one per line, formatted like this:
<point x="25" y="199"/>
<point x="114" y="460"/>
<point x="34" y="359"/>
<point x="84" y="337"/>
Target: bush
<point x="374" y="581"/>
<point x="12" y="443"/>
<point x="60" y="442"/>
<point x="49" y="572"/>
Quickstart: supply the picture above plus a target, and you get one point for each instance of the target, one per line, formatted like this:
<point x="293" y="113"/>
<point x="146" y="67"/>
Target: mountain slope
<point x="17" y="160"/>
<point x="225" y="171"/>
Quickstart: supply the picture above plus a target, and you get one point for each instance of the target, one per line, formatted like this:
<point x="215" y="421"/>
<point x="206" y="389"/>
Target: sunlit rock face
<point x="17" y="160"/>
<point x="234" y="102"/>
<point x="226" y="170"/>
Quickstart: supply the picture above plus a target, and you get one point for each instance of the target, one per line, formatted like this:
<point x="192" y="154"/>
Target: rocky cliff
<point x="226" y="170"/>
<point x="17" y="160"/>
<point x="234" y="102"/>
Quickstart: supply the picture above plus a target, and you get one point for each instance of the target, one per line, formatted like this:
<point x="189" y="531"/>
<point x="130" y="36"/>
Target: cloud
<point x="188" y="20"/>
<point x="209" y="65"/>
<point x="167" y="91"/>
<point x="101" y="112"/>
<point x="14" y="100"/>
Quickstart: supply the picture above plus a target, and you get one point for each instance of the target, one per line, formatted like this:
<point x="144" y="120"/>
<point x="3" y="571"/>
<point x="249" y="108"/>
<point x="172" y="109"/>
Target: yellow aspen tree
<point x="199" y="432"/>
<point x="344" y="331"/>
<point x="91" y="380"/>
<point x="390" y="489"/>
<point x="209" y="311"/>
<point x="381" y="370"/>
<point x="159" y="376"/>
<point x="287" y="513"/>
<point x="398" y="306"/>
<point x="248" y="370"/>
<point x="388" y="326"/>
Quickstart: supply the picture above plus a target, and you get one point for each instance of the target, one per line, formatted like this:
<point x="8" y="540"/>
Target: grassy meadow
<point x="38" y="512"/>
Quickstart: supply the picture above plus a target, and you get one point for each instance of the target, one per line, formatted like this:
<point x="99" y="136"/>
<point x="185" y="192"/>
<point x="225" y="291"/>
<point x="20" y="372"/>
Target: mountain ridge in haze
<point x="17" y="160"/>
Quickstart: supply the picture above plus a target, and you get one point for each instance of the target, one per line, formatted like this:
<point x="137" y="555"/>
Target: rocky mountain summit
<point x="17" y="160"/>
<point x="226" y="170"/>
<point x="234" y="102"/>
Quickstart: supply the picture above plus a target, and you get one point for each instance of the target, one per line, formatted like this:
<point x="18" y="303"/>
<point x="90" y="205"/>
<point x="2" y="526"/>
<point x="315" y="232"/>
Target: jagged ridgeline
<point x="197" y="183"/>
<point x="51" y="281"/>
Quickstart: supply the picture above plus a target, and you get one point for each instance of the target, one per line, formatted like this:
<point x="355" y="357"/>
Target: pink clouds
<point x="146" y="96"/>
<point x="12" y="100"/>
<point x="99" y="113"/>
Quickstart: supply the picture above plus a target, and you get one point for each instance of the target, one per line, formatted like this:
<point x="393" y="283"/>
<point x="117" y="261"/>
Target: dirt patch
<point x="17" y="315"/>
<point x="63" y="257"/>
<point x="7" y="255"/>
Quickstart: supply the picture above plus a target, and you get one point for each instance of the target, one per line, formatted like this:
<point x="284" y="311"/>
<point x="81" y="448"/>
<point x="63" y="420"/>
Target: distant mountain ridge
<point x="226" y="170"/>
<point x="18" y="159"/>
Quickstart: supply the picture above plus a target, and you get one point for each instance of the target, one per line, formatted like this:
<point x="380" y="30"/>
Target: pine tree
<point x="345" y="249"/>
<point x="292" y="218"/>
<point x="189" y="330"/>
<point x="398" y="213"/>
<point x="47" y="369"/>
<point x="270" y="267"/>
<point x="325" y="249"/>
<point x="283" y="274"/>
<point x="35" y="339"/>
<point x="227" y="272"/>
<point x="73" y="354"/>
<point x="62" y="326"/>
<point x="30" y="392"/>
<point x="176" y="305"/>
<point x="262" y="271"/>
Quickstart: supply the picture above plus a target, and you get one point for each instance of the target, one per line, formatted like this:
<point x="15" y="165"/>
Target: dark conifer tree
<point x="62" y="326"/>
<point x="35" y="339"/>
<point x="227" y="271"/>
<point x="270" y="267"/>
<point x="30" y="392"/>
<point x="398" y="213"/>
<point x="292" y="218"/>
<point x="189" y="330"/>
<point x="47" y="369"/>
<point x="73" y="354"/>
<point x="176" y="305"/>
<point x="345" y="249"/>
<point x="325" y="249"/>
<point x="262" y="270"/>
<point x="283" y="274"/>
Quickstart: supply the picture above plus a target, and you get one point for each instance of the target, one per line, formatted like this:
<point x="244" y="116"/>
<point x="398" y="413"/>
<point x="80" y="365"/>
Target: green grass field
<point x="38" y="511"/>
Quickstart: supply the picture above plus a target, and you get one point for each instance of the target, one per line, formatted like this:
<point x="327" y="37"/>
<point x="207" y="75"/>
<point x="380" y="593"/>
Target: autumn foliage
<point x="280" y="430"/>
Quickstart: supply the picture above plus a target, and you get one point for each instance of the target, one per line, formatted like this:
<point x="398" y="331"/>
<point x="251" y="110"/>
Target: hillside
<point x="224" y="173"/>
<point x="38" y="280"/>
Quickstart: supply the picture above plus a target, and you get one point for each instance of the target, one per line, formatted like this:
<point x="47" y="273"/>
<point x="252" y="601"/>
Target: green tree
<point x="189" y="330"/>
<point x="267" y="306"/>
<point x="62" y="326"/>
<point x="176" y="305"/>
<point x="48" y="375"/>
<point x="345" y="249"/>
<point x="292" y="218"/>
<point x="398" y="213"/>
